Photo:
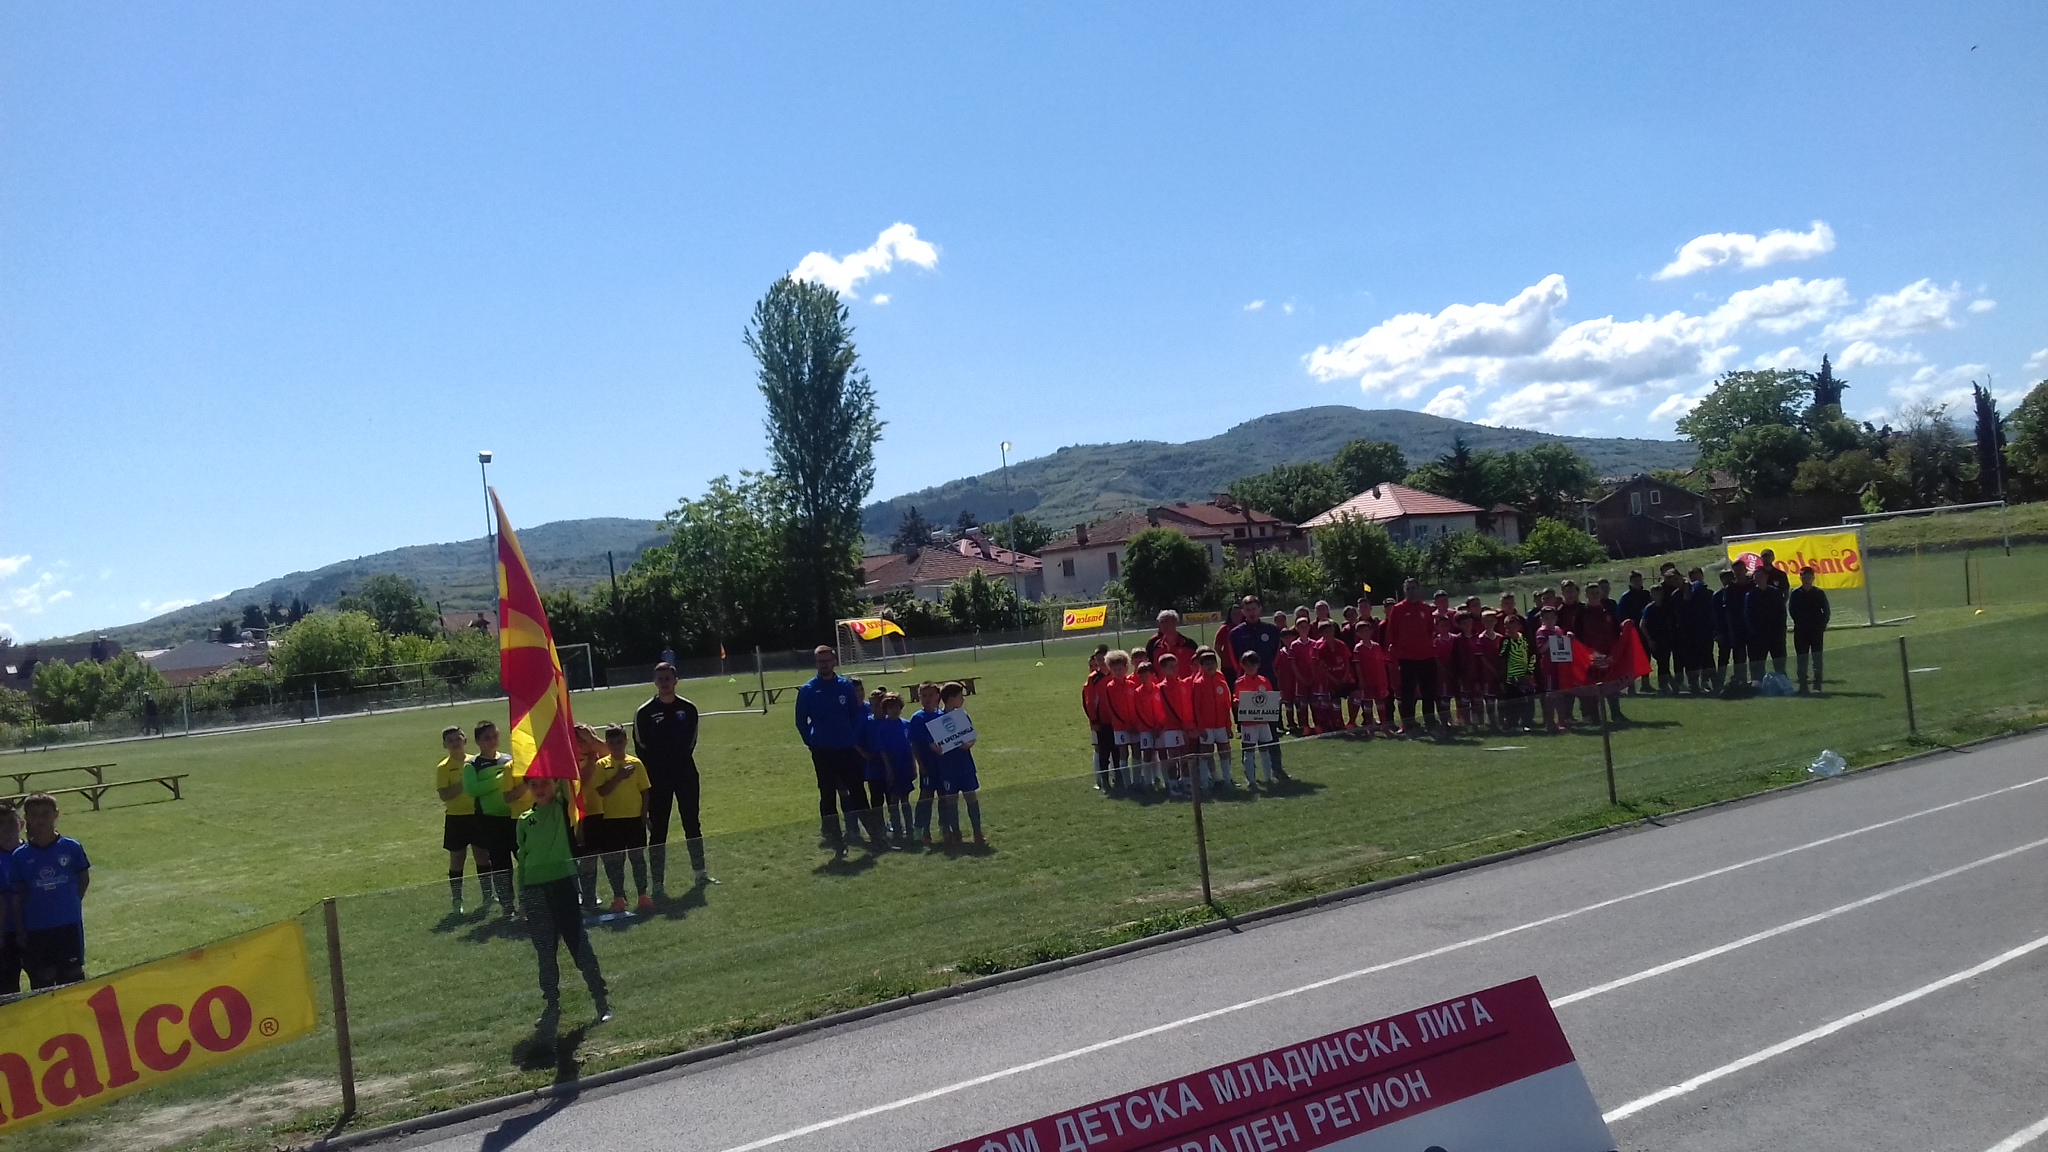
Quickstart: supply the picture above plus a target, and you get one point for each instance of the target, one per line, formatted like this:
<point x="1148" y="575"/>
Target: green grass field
<point x="276" y="819"/>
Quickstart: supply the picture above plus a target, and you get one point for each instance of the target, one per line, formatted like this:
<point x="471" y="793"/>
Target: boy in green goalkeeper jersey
<point x="487" y="778"/>
<point x="547" y="876"/>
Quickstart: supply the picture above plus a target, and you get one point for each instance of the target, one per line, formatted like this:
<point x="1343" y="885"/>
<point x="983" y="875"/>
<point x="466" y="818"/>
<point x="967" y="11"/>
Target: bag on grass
<point x="1828" y="763"/>
<point x="1777" y="684"/>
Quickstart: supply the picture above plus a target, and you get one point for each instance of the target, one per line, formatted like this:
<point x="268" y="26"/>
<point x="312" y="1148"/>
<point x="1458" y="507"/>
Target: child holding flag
<point x="547" y="873"/>
<point x="1256" y="736"/>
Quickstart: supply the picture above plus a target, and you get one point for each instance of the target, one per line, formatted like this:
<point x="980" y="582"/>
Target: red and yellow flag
<point x="543" y="743"/>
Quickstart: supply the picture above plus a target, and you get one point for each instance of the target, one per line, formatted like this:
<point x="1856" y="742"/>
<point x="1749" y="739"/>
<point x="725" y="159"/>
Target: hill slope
<point x="565" y="553"/>
<point x="1078" y="484"/>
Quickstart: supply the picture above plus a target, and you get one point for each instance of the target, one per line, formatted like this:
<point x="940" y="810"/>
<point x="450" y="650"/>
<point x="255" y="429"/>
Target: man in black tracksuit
<point x="665" y="740"/>
<point x="1733" y="664"/>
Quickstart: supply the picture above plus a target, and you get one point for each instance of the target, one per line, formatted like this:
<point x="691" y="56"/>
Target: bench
<point x="749" y="695"/>
<point x="94" y="792"/>
<point x="967" y="682"/>
<point x="97" y="771"/>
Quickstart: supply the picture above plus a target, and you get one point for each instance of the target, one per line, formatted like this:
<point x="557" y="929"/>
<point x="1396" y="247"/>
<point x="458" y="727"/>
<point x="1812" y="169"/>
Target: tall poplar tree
<point x="822" y="432"/>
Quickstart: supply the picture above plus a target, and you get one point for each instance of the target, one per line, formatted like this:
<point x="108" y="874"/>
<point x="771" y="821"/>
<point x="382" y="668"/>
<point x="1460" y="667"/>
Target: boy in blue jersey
<point x="890" y="774"/>
<point x="957" y="778"/>
<point x="927" y="760"/>
<point x="50" y="875"/>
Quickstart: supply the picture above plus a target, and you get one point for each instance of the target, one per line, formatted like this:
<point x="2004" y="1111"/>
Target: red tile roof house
<point x="1250" y="530"/>
<point x="1412" y="516"/>
<point x="931" y="571"/>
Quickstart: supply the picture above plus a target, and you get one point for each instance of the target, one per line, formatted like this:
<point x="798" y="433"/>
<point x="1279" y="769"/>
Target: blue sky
<point x="271" y="274"/>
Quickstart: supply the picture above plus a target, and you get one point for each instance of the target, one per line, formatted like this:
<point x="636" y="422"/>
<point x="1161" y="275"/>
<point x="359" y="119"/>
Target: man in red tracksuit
<point x="1411" y="636"/>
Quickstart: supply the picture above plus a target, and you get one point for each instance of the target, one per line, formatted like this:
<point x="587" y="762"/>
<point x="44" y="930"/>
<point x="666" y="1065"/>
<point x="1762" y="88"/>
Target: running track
<point x="1859" y="965"/>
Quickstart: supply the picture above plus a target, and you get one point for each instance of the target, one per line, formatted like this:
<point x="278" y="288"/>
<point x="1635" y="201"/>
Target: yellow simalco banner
<point x="1837" y="558"/>
<point x="1076" y="619"/>
<point x="78" y="1047"/>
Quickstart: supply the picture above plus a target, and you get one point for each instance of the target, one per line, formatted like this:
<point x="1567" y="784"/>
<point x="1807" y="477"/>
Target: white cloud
<point x="1675" y="405"/>
<point x="36" y="595"/>
<point x="1565" y="403"/>
<point x="1721" y="249"/>
<point x="1287" y="308"/>
<point x="1255" y="306"/>
<point x="1922" y="306"/>
<point x="1784" y="305"/>
<point x="8" y="631"/>
<point x="1864" y="354"/>
<point x="9" y="565"/>
<point x="159" y="607"/>
<point x="1409" y="351"/>
<point x="1928" y="384"/>
<point x="1794" y="357"/>
<point x="1453" y="402"/>
<point x="2038" y="362"/>
<point x="1983" y="305"/>
<point x="879" y="298"/>
<point x="897" y="242"/>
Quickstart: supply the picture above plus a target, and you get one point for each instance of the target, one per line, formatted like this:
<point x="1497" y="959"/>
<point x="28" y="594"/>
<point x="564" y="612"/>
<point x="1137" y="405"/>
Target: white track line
<point x="1790" y="926"/>
<point x="1825" y="1030"/>
<point x="1356" y="973"/>
<point x="2022" y="1138"/>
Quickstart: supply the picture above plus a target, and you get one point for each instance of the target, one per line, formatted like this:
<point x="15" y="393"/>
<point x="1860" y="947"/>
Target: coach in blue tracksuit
<point x="829" y="713"/>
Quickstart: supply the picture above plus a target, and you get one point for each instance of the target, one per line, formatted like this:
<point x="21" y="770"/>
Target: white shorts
<point x="1147" y="741"/>
<point x="1172" y="738"/>
<point x="1256" y="733"/>
<point x="1127" y="737"/>
<point x="1216" y="736"/>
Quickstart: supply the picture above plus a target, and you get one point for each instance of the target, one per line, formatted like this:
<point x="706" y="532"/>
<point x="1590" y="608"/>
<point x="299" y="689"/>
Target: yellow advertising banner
<point x="872" y="627"/>
<point x="81" y="1046"/>
<point x="1076" y="619"/>
<point x="1836" y="557"/>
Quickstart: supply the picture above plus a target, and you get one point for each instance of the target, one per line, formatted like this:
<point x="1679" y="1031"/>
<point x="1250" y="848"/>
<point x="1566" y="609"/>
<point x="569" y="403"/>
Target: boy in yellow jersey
<point x="621" y="782"/>
<point x="458" y="819"/>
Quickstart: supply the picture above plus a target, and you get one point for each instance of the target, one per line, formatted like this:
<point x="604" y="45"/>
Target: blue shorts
<point x="964" y="780"/>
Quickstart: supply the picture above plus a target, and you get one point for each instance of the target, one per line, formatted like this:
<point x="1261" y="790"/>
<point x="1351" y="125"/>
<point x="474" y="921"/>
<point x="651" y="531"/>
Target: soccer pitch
<point x="276" y="819"/>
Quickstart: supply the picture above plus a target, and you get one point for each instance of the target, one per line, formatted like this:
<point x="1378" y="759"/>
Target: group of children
<point x="901" y="756"/>
<point x="1157" y="727"/>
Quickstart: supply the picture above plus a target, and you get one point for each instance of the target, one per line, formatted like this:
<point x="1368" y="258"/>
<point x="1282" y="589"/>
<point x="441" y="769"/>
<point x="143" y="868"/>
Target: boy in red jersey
<point x="1256" y="737"/>
<point x="1553" y="651"/>
<point x="1177" y="723"/>
<point x="1209" y="696"/>
<point x="1339" y="677"/>
<point x="1151" y="718"/>
<point x="1281" y="674"/>
<point x="1120" y="712"/>
<point x="1369" y="662"/>
<point x="1304" y="665"/>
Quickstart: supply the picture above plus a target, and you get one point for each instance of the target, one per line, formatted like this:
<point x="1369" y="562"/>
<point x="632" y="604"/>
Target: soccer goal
<point x="873" y="643"/>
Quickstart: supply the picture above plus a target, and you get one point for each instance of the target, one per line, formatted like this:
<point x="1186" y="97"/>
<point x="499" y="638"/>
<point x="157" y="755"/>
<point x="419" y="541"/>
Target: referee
<point x="665" y="740"/>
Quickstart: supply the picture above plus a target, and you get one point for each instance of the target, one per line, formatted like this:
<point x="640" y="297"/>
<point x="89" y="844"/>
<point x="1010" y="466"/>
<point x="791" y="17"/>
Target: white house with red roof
<point x="1412" y="516"/>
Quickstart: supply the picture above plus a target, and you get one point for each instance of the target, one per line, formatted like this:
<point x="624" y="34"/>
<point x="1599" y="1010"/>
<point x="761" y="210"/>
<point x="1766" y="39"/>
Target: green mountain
<point x="1071" y="486"/>
<point x="566" y="553"/>
<point x="1079" y="484"/>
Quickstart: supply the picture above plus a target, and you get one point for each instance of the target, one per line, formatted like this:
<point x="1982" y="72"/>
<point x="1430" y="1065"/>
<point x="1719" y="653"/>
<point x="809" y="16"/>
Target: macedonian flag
<point x="543" y="745"/>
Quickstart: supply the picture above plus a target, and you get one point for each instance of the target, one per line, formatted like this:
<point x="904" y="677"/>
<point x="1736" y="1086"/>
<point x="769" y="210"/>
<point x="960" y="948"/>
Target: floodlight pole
<point x="483" y="470"/>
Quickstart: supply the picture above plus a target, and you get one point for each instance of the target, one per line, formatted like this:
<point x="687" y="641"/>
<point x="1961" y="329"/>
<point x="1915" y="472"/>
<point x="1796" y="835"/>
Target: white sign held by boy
<point x="1258" y="708"/>
<point x="951" y="729"/>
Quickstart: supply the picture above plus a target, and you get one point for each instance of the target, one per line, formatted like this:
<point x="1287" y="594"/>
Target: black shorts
<point x="458" y="832"/>
<point x="590" y="836"/>
<point x="55" y="956"/>
<point x="10" y="965"/>
<point x="498" y="836"/>
<point x="621" y="834"/>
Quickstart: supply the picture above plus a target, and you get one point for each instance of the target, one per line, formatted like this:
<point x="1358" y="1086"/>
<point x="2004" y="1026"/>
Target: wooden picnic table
<point x="98" y="772"/>
<point x="93" y="792"/>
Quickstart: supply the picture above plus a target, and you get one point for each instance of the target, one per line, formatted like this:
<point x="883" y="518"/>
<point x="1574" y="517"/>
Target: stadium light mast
<point x="1008" y="493"/>
<point x="483" y="468"/>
